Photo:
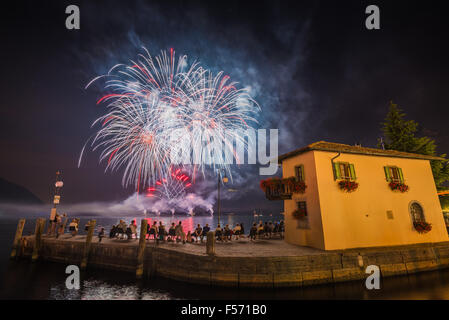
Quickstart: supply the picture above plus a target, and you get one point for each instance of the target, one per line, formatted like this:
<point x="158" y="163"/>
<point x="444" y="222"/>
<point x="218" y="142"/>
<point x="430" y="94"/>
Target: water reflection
<point x="44" y="280"/>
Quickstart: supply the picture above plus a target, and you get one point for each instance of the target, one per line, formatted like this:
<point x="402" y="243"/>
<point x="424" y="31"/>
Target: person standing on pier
<point x="206" y="229"/>
<point x="253" y="232"/>
<point x="58" y="224"/>
<point x="219" y="233"/>
<point x="161" y="231"/>
<point x="227" y="233"/>
<point x="172" y="233"/>
<point x="153" y="231"/>
<point x="133" y="227"/>
<point x="179" y="232"/>
<point x="101" y="234"/>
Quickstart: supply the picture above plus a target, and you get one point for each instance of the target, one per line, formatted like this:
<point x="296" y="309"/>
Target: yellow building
<point x="374" y="210"/>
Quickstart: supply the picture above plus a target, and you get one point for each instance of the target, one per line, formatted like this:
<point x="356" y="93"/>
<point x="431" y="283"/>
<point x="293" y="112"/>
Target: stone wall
<point x="329" y="267"/>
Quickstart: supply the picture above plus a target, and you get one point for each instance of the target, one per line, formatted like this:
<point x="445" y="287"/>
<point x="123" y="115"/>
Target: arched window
<point x="417" y="212"/>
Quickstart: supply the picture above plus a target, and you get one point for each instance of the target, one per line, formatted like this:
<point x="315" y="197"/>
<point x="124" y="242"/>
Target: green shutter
<point x="337" y="174"/>
<point x="401" y="176"/>
<point x="302" y="173"/>
<point x="298" y="172"/>
<point x="352" y="171"/>
<point x="387" y="173"/>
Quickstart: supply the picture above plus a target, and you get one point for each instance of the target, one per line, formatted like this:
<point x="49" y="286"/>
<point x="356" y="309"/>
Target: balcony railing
<point x="282" y="189"/>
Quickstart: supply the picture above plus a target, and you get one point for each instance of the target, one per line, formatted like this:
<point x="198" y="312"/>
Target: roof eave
<point x="307" y="149"/>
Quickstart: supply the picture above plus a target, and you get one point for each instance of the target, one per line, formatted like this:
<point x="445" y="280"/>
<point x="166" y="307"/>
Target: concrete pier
<point x="264" y="263"/>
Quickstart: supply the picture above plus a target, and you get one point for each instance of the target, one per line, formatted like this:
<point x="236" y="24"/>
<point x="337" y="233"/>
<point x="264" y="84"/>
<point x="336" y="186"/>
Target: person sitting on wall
<point x="270" y="229"/>
<point x="227" y="233"/>
<point x="275" y="228"/>
<point x="120" y="229"/>
<point x="73" y="227"/>
<point x="253" y="232"/>
<point x="219" y="233"/>
<point x="206" y="229"/>
<point x="189" y="237"/>
<point x="124" y="229"/>
<point x="179" y="233"/>
<point x="153" y="231"/>
<point x="237" y="231"/>
<point x="260" y="230"/>
<point x="59" y="226"/>
<point x="100" y="234"/>
<point x="133" y="227"/>
<point x="266" y="229"/>
<point x="172" y="233"/>
<point x="161" y="231"/>
<point x="281" y="229"/>
<point x="129" y="232"/>
<point x="112" y="231"/>
<point x="242" y="231"/>
<point x="86" y="226"/>
<point x="197" y="233"/>
<point x="147" y="234"/>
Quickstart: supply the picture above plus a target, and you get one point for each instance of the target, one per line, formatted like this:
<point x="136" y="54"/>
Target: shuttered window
<point x="299" y="173"/>
<point x="417" y="212"/>
<point x="302" y="206"/>
<point x="344" y="170"/>
<point x="393" y="174"/>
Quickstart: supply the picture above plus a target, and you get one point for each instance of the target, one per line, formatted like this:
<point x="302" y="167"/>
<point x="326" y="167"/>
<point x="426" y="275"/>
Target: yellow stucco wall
<point x="359" y="218"/>
<point x="313" y="236"/>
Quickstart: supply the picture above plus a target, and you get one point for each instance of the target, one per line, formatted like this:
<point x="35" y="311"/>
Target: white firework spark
<point x="151" y="99"/>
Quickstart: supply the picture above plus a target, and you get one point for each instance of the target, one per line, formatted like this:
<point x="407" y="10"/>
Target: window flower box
<point x="399" y="186"/>
<point x="282" y="189"/>
<point x="294" y="185"/>
<point x="298" y="214"/>
<point x="348" y="185"/>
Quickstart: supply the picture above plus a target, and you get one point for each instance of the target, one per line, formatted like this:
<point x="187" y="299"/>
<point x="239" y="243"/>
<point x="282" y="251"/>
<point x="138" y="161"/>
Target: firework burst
<point x="152" y="98"/>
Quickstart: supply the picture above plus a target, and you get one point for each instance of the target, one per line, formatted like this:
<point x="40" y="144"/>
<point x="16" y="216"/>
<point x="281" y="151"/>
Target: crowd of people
<point x="267" y="230"/>
<point x="123" y="230"/>
<point x="175" y="233"/>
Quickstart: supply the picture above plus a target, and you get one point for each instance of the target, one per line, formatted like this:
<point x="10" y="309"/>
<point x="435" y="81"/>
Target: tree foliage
<point x="401" y="135"/>
<point x="444" y="201"/>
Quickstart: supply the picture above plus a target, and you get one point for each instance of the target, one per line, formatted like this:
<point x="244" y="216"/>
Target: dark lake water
<point x="44" y="280"/>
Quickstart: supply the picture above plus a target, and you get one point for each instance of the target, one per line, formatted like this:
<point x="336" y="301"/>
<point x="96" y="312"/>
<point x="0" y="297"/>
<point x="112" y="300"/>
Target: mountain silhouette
<point x="14" y="193"/>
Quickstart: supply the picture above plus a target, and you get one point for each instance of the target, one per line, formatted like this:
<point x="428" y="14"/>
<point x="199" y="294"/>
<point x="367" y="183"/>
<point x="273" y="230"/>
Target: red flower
<point x="348" y="185"/>
<point x="402" y="187"/>
<point x="276" y="183"/>
<point x="299" y="213"/>
<point x="422" y="226"/>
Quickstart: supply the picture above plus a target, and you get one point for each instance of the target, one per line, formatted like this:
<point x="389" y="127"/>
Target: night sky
<point x="313" y="67"/>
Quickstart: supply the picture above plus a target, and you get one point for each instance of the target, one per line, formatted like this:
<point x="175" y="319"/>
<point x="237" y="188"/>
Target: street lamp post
<point x="56" y="200"/>
<point x="225" y="179"/>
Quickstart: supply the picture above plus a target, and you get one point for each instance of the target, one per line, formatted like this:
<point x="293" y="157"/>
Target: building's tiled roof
<point x="344" y="148"/>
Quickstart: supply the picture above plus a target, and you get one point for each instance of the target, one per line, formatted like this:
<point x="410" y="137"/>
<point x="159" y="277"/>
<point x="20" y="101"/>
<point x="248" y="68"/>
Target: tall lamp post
<point x="225" y="180"/>
<point x="56" y="199"/>
<point x="58" y="186"/>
